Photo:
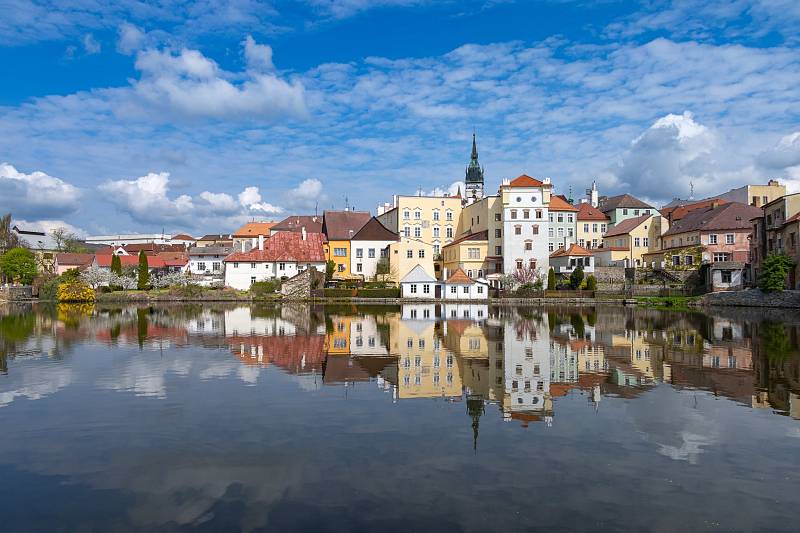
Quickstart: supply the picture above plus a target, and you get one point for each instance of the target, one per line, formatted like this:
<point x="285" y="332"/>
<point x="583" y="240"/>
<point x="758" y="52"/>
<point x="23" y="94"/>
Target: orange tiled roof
<point x="559" y="204"/>
<point x="574" y="250"/>
<point x="525" y="181"/>
<point x="254" y="229"/>
<point x="587" y="212"/>
<point x="460" y="278"/>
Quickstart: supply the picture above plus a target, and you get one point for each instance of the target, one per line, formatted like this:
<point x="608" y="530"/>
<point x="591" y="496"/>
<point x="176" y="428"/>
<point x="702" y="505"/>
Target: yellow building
<point x="628" y="241"/>
<point x="337" y="337"/>
<point x="485" y="215"/>
<point x="591" y="226"/>
<point x="430" y="220"/>
<point x="469" y="253"/>
<point x="425" y="369"/>
<point x="405" y="254"/>
<point x="339" y="227"/>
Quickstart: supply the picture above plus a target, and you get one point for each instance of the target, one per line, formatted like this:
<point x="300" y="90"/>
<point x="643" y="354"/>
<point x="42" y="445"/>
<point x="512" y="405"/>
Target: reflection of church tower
<point x="475" y="409"/>
<point x="474" y="175"/>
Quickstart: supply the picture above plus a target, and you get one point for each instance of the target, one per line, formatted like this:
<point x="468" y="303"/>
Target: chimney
<point x="303" y="232"/>
<point x="243" y="246"/>
<point x="260" y="242"/>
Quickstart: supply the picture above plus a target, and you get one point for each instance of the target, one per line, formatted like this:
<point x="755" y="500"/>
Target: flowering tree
<point x="170" y="279"/>
<point x="522" y="276"/>
<point x="125" y="282"/>
<point x="96" y="277"/>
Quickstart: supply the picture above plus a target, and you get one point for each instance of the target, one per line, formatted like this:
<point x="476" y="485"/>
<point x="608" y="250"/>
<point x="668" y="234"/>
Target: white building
<point x="525" y="202"/>
<point x="566" y="260"/>
<point x="283" y="255"/>
<point x="419" y="284"/>
<point x="459" y="286"/>
<point x="527" y="369"/>
<point x="208" y="261"/>
<point x="369" y="246"/>
<point x="136" y="238"/>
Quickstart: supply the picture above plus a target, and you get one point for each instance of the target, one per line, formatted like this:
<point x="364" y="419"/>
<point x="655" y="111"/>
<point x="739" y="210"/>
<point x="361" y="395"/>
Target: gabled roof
<point x="677" y="212"/>
<point x="373" y="230"/>
<point x="557" y="203"/>
<point x="312" y="223"/>
<point x="254" y="229"/>
<point x="73" y="259"/>
<point x="626" y="226"/>
<point x="418" y="275"/>
<point x="587" y="212"/>
<point x="623" y="201"/>
<point x="526" y="181"/>
<point x="342" y="225"/>
<point x="182" y="237"/>
<point x="174" y="259"/>
<point x="478" y="236"/>
<point x="151" y="247"/>
<point x="793" y="218"/>
<point x="153" y="261"/>
<point x="216" y="237"/>
<point x="285" y="246"/>
<point x="730" y="216"/>
<point x="459" y="278"/>
<point x="573" y="251"/>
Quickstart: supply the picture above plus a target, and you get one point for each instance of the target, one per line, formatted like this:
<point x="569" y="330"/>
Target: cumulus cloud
<point x="188" y="83"/>
<point x="347" y="8"/>
<point x="35" y="195"/>
<point x="258" y="56"/>
<point x="90" y="44"/>
<point x="307" y="195"/>
<point x="250" y="199"/>
<point x="131" y="38"/>
<point x="48" y="226"/>
<point x="784" y="155"/>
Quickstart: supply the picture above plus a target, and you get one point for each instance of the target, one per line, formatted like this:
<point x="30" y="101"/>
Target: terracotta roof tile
<point x="587" y="212"/>
<point x="285" y="246"/>
<point x="342" y="225"/>
<point x="73" y="259"/>
<point x="153" y="261"/>
<point x="460" y="278"/>
<point x="623" y="200"/>
<point x="574" y="250"/>
<point x="559" y="204"/>
<point x="730" y="216"/>
<point x="254" y="229"/>
<point x="312" y="223"/>
<point x="479" y="236"/>
<point x="525" y="181"/>
<point x="626" y="226"/>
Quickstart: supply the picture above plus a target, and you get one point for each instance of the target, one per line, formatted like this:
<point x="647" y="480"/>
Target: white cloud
<point x="784" y="155"/>
<point x="307" y="195"/>
<point x="90" y="44"/>
<point x="347" y="8"/>
<point x="48" y="226"/>
<point x="35" y="195"/>
<point x="219" y="202"/>
<point x="258" y="56"/>
<point x="131" y="38"/>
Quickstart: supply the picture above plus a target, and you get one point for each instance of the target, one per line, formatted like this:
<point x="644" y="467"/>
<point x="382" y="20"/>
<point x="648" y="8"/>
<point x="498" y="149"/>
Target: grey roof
<point x="35" y="240"/>
<point x="731" y="216"/>
<point x="418" y="275"/>
<point x="623" y="201"/>
<point x="211" y="250"/>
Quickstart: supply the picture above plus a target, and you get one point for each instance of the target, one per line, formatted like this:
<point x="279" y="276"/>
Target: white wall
<point x="514" y="245"/>
<point x="368" y="264"/>
<point x="527" y="353"/>
<point x="239" y="275"/>
<point x="475" y="291"/>
<point x="405" y="290"/>
<point x="209" y="260"/>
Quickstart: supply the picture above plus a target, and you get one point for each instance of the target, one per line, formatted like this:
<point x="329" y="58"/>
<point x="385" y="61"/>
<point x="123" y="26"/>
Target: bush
<point x="527" y="290"/>
<point x="74" y="290"/>
<point x="551" y="280"/>
<point x="379" y="293"/>
<point x="261" y="289"/>
<point x="576" y="278"/>
<point x="340" y="293"/>
<point x="591" y="283"/>
<point x="774" y="271"/>
<point x="187" y="291"/>
<point x="19" y="264"/>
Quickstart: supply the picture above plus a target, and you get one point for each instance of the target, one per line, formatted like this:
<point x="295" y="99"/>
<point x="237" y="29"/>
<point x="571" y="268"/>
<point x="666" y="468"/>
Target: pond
<point x="397" y="418"/>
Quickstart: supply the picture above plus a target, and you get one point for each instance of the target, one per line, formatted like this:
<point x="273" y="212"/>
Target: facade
<point x="712" y="234"/>
<point x="430" y="219"/>
<point x="134" y="238"/>
<point x="420" y="284"/>
<point x="43" y="246"/>
<point x="562" y="218"/>
<point x="526" y="373"/>
<point x="208" y="261"/>
<point x="591" y="225"/>
<point x="340" y="227"/>
<point x="477" y="218"/>
<point x="406" y="254"/>
<point x="370" y="247"/>
<point x="246" y="237"/>
<point x="215" y="239"/>
<point x="624" y="207"/>
<point x="470" y="254"/>
<point x="566" y="260"/>
<point x="66" y="261"/>
<point x="635" y="236"/>
<point x="755" y="195"/>
<point x="525" y="202"/>
<point x="283" y="255"/>
<point x="775" y="230"/>
<point x="175" y="261"/>
<point x="459" y="286"/>
<point x="473" y="176"/>
<point x="726" y="276"/>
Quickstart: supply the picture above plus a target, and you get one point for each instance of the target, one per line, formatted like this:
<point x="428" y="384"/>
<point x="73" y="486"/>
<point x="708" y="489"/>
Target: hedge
<point x="340" y="293"/>
<point x="379" y="293"/>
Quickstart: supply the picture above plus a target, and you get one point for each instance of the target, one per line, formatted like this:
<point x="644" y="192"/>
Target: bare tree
<point x="8" y="239"/>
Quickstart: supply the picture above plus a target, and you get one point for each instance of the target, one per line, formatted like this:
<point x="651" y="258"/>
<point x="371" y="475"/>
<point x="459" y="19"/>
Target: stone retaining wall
<point x="609" y="275"/>
<point x="16" y="293"/>
<point x="754" y="298"/>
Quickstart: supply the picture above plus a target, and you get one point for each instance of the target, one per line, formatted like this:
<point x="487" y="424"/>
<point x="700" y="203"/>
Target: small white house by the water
<point x="419" y="284"/>
<point x="459" y="286"/>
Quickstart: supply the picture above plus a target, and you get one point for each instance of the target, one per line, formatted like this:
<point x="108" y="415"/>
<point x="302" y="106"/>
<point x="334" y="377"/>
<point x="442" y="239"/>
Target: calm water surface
<point x="408" y="418"/>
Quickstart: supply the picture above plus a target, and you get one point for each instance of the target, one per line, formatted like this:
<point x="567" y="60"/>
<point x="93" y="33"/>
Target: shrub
<point x="75" y="290"/>
<point x="576" y="278"/>
<point x="526" y="290"/>
<point x="143" y="276"/>
<point x="340" y="293"/>
<point x="19" y="264"/>
<point x="187" y="291"/>
<point x="591" y="283"/>
<point x="774" y="271"/>
<point x="551" y="280"/>
<point x="260" y="289"/>
<point x="392" y="292"/>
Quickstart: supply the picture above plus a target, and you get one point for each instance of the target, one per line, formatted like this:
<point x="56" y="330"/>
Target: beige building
<point x="469" y="253"/>
<point x="485" y="215"/>
<point x="405" y="254"/>
<point x="755" y="195"/>
<point x="631" y="239"/>
<point x="591" y="226"/>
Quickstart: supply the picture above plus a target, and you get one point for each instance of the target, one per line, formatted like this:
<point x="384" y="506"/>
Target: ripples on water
<point x="423" y="417"/>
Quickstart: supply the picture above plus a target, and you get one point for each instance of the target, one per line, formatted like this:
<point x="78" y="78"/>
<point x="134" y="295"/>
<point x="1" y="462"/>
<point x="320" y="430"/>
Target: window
<point x="561" y="217"/>
<point x="689" y="260"/>
<point x="624" y="211"/>
<point x="594" y="228"/>
<point x="636" y="242"/>
<point x="417" y="232"/>
<point x="726" y="276"/>
<point x="550" y="247"/>
<point x="340" y="252"/>
<point x="426" y="289"/>
<point x="435" y="214"/>
<point x="436" y="232"/>
<point x="371" y="253"/>
<point x="526" y="213"/>
<point x="435" y="249"/>
<point x="281" y="266"/>
<point x="421" y="254"/>
<point x="406" y="231"/>
<point x="569" y="218"/>
<point x="519" y="199"/>
<point x="466" y="289"/>
<point x="721" y="256"/>
<point x="449" y="232"/>
<point x="453" y="289"/>
<point x="216" y="266"/>
<point x="410" y="254"/>
<point x="236" y="265"/>
<point x="498" y="233"/>
<point x="676" y="260"/>
<point x="417" y="214"/>
<point x="359" y="267"/>
<point x="497" y="217"/>
<point x="645" y="241"/>
<point x="536" y="229"/>
<point x="712" y="239"/>
<point x="532" y="264"/>
<point x="252" y="279"/>
<point x="551" y="232"/>
<point x="729" y="238"/>
<point x="539" y="213"/>
<point x="340" y="267"/>
<point x="252" y="265"/>
<point x="359" y="253"/>
<point x="480" y="288"/>
<point x="517" y="230"/>
<point x="603" y="228"/>
<point x="406" y="214"/>
<point x="413" y="288"/>
<point x="560" y="232"/>
<point x="474" y="253"/>
<point x="498" y="250"/>
<point x="528" y="246"/>
<point x="513" y="214"/>
<point x="201" y="266"/>
<point x="586" y="228"/>
<point x="550" y="217"/>
<point x="449" y="215"/>
<point x="519" y="264"/>
<point x="636" y="212"/>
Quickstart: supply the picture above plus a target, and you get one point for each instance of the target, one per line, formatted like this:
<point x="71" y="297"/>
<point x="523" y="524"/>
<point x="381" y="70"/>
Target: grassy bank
<point x="669" y="303"/>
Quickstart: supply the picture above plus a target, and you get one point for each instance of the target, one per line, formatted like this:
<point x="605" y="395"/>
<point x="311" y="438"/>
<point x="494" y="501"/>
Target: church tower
<point x="473" y="178"/>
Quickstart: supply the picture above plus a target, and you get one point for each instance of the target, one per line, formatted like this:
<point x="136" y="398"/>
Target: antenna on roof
<point x="346" y="203"/>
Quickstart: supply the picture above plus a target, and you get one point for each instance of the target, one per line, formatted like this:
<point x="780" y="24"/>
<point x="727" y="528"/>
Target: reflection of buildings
<point x="527" y="371"/>
<point x="777" y="367"/>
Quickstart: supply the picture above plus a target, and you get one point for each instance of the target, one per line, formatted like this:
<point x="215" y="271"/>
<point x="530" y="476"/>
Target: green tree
<point x="382" y="269"/>
<point x="551" y="279"/>
<point x="591" y="283"/>
<point x="576" y="278"/>
<point x="116" y="265"/>
<point x="19" y="264"/>
<point x="143" y="281"/>
<point x="330" y="267"/>
<point x="774" y="271"/>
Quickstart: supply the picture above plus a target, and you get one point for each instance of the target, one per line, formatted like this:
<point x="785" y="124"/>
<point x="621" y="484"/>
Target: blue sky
<point x="196" y="116"/>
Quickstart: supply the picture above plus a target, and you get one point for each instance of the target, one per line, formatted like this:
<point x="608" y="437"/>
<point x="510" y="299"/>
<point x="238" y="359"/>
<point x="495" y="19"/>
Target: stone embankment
<point x="14" y="294"/>
<point x="753" y="298"/>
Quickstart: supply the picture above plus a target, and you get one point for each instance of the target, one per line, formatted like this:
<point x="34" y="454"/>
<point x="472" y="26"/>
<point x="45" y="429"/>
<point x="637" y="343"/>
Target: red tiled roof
<point x="254" y="229"/>
<point x="285" y="246"/>
<point x="313" y="224"/>
<point x="573" y="251"/>
<point x="182" y="237"/>
<point x="343" y="225"/>
<point x="559" y="204"/>
<point x="153" y="261"/>
<point x="525" y="181"/>
<point x="587" y="212"/>
<point x="793" y="218"/>
<point x="729" y="216"/>
<point x="173" y="259"/>
<point x="626" y="226"/>
<point x="460" y="278"/>
<point x="623" y="201"/>
<point x="152" y="247"/>
<point x="73" y="259"/>
<point x="677" y="212"/>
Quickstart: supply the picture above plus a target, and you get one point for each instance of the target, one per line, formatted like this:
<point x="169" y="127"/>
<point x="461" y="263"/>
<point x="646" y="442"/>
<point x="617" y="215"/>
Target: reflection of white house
<point x="207" y="323"/>
<point x="365" y="338"/>
<point x="240" y="321"/>
<point x="419" y="284"/>
<point x="565" y="260"/>
<point x="475" y="312"/>
<point x="420" y="311"/>
<point x="527" y="368"/>
<point x="460" y="287"/>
